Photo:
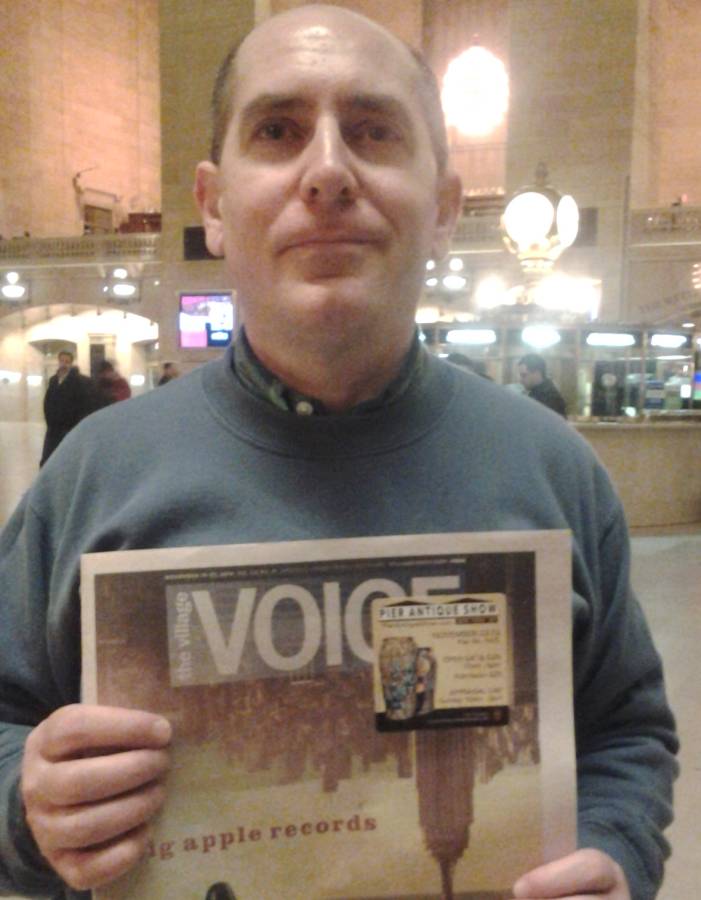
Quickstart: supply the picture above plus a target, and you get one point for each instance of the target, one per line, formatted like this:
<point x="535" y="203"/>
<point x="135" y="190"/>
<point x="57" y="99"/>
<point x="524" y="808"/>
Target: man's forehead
<point x="303" y="46"/>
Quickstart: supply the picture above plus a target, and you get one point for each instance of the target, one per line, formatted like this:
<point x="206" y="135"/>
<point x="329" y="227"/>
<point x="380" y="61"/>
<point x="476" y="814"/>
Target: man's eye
<point x="375" y="133"/>
<point x="275" y="131"/>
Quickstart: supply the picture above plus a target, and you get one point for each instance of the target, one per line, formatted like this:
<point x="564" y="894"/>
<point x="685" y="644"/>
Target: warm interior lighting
<point x="475" y="94"/>
<point x="137" y="380"/>
<point x="491" y="292"/>
<point x="120" y="272"/>
<point x="13" y="291"/>
<point x="528" y="218"/>
<point x="124" y="289"/>
<point x="454" y="282"/>
<point x="609" y="339"/>
<point x="540" y="336"/>
<point x="565" y="293"/>
<point x="35" y="380"/>
<point x="471" y="336"/>
<point x="426" y="314"/>
<point x="668" y="341"/>
<point x="9" y="377"/>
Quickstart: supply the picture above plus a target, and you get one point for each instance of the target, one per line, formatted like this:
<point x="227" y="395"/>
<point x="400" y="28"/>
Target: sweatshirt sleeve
<point x="625" y="730"/>
<point x="27" y="694"/>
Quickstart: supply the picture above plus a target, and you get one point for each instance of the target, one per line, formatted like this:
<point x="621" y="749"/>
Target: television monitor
<point x="206" y="320"/>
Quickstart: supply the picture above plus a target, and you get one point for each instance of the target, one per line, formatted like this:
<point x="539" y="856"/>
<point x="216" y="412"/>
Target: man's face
<point x="327" y="201"/>
<point x="65" y="361"/>
<point x="529" y="379"/>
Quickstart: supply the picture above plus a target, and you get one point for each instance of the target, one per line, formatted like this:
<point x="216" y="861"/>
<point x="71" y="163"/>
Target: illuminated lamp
<point x="540" y="336"/>
<point x="13" y="289"/>
<point x="668" y="341"/>
<point x="538" y="224"/>
<point x="475" y="92"/>
<point x="610" y="339"/>
<point x="473" y="336"/>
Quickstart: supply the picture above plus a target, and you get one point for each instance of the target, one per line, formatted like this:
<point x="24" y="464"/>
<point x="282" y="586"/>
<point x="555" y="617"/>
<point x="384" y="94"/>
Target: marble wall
<point x="80" y="91"/>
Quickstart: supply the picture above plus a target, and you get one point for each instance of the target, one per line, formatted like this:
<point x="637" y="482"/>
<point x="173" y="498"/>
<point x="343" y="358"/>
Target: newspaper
<point x="367" y="718"/>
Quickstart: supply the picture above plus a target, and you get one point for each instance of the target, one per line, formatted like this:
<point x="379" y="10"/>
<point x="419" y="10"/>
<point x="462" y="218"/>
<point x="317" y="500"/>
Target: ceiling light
<point x="12" y="277"/>
<point x="124" y="289"/>
<point x="668" y="341"/>
<point x="120" y="272"/>
<point x="687" y="325"/>
<point x="608" y="339"/>
<point x="454" y="282"/>
<point x="475" y="92"/>
<point x="456" y="264"/>
<point x="540" y="336"/>
<point x="472" y="336"/>
<point x="431" y="282"/>
<point x="13" y="291"/>
<point x="430" y="265"/>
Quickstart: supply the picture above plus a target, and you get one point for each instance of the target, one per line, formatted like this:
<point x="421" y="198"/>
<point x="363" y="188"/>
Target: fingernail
<point x="162" y="730"/>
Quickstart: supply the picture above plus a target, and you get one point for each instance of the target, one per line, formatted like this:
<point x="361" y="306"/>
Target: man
<point x="168" y="373"/>
<point x="69" y="397"/>
<point x="327" y="191"/>
<point x="532" y="375"/>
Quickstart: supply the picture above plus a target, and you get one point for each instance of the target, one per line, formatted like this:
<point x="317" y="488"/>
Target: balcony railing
<point x="80" y="249"/>
<point x="668" y="225"/>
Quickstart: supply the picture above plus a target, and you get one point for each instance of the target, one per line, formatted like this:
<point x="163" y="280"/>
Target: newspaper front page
<point x="365" y="718"/>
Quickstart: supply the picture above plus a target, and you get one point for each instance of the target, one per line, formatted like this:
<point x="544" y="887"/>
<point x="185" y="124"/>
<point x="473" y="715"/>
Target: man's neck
<point x="340" y="379"/>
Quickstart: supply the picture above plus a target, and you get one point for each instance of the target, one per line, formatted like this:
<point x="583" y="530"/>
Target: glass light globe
<point x="528" y="218"/>
<point x="567" y="218"/>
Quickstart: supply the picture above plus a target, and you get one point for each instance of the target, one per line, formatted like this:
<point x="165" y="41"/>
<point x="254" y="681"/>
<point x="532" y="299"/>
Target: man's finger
<point x="580" y="873"/>
<point x="92" y="779"/>
<point x="96" y="866"/>
<point x="79" y="729"/>
<point x="89" y="826"/>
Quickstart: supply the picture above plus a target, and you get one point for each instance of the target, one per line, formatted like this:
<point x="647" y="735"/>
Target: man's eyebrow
<point x="271" y="103"/>
<point x="266" y="104"/>
<point x="379" y="103"/>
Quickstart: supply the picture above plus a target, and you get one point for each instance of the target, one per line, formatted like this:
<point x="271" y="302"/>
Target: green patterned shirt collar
<point x="253" y="375"/>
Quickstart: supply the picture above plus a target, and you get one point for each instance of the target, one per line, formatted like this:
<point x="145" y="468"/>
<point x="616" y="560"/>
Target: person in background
<point x="69" y="398"/>
<point x="328" y="188"/>
<point x="168" y="373"/>
<point x="111" y="386"/>
<point x="533" y="376"/>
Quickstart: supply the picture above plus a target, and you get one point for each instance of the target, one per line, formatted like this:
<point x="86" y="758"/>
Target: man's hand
<point x="91" y="781"/>
<point x="584" y="875"/>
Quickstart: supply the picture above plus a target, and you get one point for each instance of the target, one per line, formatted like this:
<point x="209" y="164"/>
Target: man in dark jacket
<point x="69" y="398"/>
<point x="533" y="376"/>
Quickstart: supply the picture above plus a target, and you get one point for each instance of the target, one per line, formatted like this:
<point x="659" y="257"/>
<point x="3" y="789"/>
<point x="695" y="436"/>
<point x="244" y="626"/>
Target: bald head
<point x="326" y="20"/>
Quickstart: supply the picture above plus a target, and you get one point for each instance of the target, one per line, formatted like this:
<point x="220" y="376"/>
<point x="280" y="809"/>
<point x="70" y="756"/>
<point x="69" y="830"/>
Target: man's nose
<point x="329" y="178"/>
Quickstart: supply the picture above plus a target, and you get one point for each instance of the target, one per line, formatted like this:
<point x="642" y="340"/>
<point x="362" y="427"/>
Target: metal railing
<point x="80" y="249"/>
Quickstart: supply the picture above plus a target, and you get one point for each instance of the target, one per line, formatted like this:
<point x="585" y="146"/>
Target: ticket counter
<point x="655" y="466"/>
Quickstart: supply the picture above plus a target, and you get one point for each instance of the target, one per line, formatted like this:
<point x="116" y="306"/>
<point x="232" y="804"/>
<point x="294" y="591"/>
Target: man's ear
<point x="449" y="205"/>
<point x="208" y="196"/>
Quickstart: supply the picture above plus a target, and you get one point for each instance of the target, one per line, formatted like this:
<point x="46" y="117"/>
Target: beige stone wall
<point x="676" y="26"/>
<point x="80" y="90"/>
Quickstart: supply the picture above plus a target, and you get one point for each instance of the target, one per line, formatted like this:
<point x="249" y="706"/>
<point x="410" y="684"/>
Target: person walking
<point x="69" y="398"/>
